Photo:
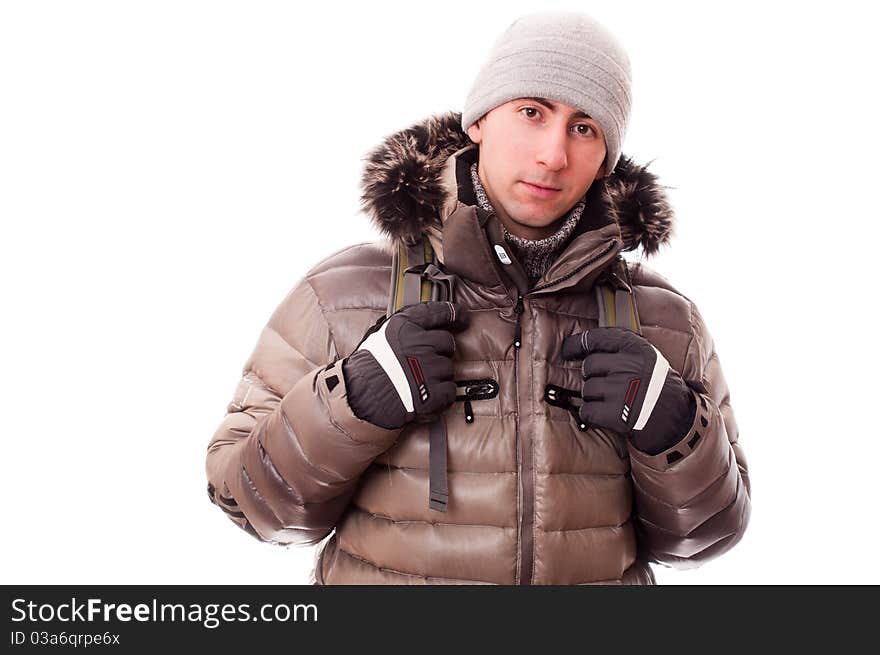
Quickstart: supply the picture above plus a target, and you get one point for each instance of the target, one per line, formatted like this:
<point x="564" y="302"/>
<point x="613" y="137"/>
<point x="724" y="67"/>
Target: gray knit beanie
<point x="567" y="57"/>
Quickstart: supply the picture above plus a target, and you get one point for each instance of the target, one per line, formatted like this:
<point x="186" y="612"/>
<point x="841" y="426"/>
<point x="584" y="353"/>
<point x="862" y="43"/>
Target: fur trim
<point x="402" y="191"/>
<point x="639" y="204"/>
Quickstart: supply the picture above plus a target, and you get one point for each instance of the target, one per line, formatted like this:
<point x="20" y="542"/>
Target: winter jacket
<point x="533" y="499"/>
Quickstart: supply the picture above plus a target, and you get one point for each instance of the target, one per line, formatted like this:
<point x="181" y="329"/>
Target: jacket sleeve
<point x="287" y="457"/>
<point x="693" y="500"/>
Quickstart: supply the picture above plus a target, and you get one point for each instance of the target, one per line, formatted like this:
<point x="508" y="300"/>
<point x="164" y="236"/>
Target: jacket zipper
<point x="525" y="464"/>
<point x="520" y="492"/>
<point x="524" y="445"/>
<point x="517" y="331"/>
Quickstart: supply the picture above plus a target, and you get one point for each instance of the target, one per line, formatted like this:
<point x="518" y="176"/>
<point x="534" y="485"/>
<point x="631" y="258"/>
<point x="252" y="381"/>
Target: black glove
<point x="402" y="368"/>
<point x="630" y="388"/>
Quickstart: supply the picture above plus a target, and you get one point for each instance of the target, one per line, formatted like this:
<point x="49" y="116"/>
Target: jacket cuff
<point x="331" y="388"/>
<point x="682" y="449"/>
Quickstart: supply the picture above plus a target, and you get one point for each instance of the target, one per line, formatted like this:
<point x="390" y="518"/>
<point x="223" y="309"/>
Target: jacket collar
<point x="417" y="181"/>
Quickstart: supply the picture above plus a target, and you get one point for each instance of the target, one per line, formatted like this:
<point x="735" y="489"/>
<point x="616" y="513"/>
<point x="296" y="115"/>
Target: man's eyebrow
<point x="549" y="105"/>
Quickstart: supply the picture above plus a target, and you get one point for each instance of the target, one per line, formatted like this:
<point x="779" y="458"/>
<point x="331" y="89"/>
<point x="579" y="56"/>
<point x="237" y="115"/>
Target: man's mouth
<point x="541" y="191"/>
<point x="544" y="186"/>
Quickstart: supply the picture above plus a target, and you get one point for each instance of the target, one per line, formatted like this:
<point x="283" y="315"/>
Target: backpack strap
<point x="438" y="492"/>
<point x="614" y="295"/>
<point x="416" y="278"/>
<point x="408" y="285"/>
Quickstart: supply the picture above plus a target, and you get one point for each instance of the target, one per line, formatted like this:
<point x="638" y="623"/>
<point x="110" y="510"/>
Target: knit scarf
<point x="536" y="255"/>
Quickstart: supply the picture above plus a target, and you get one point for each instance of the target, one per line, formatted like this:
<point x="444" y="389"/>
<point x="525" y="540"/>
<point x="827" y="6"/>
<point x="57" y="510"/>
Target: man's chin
<point x="538" y="222"/>
<point x="536" y="229"/>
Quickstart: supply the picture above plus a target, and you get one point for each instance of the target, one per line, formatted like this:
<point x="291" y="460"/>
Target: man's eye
<point x="589" y="128"/>
<point x="529" y="109"/>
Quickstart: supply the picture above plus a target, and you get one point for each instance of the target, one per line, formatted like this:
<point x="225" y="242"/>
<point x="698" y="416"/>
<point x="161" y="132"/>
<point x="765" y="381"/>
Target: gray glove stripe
<point x="377" y="345"/>
<point x="655" y="386"/>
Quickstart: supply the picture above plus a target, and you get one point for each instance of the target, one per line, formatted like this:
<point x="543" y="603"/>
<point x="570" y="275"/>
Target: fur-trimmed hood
<point x="403" y="190"/>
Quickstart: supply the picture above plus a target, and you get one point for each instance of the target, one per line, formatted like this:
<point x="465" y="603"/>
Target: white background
<point x="168" y="170"/>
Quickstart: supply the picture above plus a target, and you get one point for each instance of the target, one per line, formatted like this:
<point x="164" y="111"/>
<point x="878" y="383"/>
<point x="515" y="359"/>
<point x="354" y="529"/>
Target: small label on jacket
<point x="502" y="255"/>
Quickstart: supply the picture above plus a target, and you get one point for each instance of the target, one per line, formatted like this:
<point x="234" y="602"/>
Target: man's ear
<point x="475" y="132"/>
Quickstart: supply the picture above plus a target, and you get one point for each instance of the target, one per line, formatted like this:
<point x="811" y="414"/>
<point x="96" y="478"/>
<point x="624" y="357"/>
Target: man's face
<point x="538" y="157"/>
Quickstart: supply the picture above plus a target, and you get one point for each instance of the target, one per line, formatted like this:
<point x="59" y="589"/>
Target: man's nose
<point x="552" y="152"/>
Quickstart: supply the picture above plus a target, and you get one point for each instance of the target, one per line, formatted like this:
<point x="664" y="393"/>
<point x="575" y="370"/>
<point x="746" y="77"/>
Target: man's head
<point x="573" y="72"/>
<point x="536" y="142"/>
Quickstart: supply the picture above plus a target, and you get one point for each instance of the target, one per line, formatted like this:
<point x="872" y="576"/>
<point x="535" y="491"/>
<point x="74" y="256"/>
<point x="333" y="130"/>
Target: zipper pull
<point x="517" y="333"/>
<point x="468" y="412"/>
<point x="563" y="398"/>
<point x="577" y="418"/>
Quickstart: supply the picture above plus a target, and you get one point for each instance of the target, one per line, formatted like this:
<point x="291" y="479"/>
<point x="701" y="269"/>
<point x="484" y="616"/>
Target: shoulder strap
<point x="614" y="295"/>
<point x="408" y="286"/>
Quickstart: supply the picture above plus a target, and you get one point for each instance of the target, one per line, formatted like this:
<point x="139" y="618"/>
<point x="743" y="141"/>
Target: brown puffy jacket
<point x="532" y="499"/>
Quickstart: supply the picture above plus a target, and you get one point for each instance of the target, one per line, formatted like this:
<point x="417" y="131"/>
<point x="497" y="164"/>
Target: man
<point x="507" y="436"/>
